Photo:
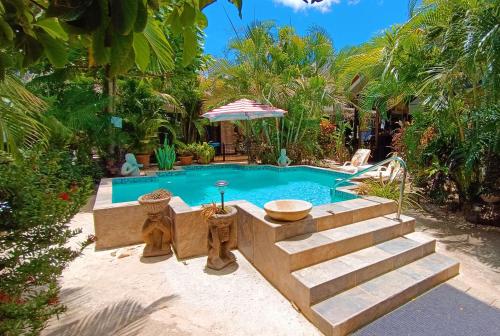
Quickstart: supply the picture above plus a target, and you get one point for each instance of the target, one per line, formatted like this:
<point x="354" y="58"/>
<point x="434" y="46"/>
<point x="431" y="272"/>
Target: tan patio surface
<point x="107" y="295"/>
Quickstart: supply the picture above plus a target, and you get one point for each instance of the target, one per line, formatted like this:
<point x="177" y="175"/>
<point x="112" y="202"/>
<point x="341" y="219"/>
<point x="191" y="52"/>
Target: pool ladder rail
<point x="338" y="182"/>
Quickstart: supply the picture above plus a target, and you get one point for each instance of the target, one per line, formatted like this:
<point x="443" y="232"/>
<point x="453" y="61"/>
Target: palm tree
<point x="446" y="55"/>
<point x="278" y="67"/>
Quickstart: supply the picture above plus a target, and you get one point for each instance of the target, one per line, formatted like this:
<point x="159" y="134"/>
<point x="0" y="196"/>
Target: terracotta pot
<point x="144" y="159"/>
<point x="186" y="160"/>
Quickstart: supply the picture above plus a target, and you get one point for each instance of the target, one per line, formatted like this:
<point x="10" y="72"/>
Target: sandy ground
<point x="106" y="295"/>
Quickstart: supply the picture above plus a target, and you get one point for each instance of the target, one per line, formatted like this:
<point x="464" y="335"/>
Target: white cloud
<point x="353" y="2"/>
<point x="299" y="5"/>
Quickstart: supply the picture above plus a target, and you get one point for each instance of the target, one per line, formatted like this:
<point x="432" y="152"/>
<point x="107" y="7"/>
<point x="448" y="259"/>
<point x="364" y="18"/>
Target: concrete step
<point x="309" y="249"/>
<point x="323" y="280"/>
<point x="334" y="215"/>
<point x="353" y="211"/>
<point x="352" y="309"/>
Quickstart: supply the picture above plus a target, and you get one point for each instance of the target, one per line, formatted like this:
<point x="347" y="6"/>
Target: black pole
<point x="222" y="199"/>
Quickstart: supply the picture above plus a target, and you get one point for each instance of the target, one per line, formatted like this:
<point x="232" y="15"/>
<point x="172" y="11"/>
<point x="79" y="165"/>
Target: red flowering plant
<point x="38" y="197"/>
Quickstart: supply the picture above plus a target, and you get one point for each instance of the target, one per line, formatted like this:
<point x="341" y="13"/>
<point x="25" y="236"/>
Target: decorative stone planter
<point x="288" y="210"/>
<point x="219" y="239"/>
<point x="157" y="229"/>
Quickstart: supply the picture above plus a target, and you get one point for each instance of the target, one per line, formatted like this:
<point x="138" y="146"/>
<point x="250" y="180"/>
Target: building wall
<point x="227" y="133"/>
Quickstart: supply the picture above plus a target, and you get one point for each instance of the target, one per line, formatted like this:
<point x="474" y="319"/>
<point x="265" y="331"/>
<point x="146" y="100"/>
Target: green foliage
<point x="278" y="67"/>
<point x="108" y="27"/>
<point x="142" y="110"/>
<point x="390" y="190"/>
<point x="205" y="153"/>
<point x="165" y="156"/>
<point x="20" y="112"/>
<point x="75" y="113"/>
<point x="38" y="196"/>
<point x="445" y="58"/>
<point x="187" y="150"/>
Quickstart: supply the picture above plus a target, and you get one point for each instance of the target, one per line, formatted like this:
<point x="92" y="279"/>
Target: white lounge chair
<point x="358" y="161"/>
<point x="389" y="172"/>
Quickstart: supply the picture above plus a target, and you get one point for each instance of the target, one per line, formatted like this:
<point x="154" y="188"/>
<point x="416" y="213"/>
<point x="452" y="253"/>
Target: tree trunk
<point x="109" y="90"/>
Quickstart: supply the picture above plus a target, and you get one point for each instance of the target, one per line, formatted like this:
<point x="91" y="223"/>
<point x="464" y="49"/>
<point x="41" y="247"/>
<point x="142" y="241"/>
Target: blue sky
<point x="348" y="22"/>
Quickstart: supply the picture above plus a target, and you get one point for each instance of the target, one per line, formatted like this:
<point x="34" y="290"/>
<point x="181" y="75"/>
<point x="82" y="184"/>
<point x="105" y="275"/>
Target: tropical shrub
<point x="187" y="150"/>
<point x="205" y="153"/>
<point x="326" y="138"/>
<point x="143" y="115"/>
<point x="444" y="60"/>
<point x="38" y="196"/>
<point x="390" y="190"/>
<point x="165" y="156"/>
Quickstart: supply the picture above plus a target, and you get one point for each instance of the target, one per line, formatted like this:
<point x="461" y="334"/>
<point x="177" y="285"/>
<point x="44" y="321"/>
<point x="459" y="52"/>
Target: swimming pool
<point x="256" y="184"/>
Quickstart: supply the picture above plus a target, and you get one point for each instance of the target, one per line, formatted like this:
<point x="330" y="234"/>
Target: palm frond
<point x="20" y="125"/>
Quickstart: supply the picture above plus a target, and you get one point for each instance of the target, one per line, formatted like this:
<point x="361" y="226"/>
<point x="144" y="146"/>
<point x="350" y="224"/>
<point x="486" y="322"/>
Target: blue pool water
<point x="256" y="184"/>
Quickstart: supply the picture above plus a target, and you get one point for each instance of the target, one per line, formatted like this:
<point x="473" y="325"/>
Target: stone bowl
<point x="288" y="210"/>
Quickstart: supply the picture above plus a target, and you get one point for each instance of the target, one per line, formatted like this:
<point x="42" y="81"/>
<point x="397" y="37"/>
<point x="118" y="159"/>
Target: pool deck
<point x="108" y="295"/>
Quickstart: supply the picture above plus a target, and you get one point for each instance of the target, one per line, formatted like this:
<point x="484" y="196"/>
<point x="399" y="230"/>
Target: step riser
<point x="322" y="220"/>
<point x="335" y="249"/>
<point x="347" y="281"/>
<point x="338" y="219"/>
<point x="388" y="305"/>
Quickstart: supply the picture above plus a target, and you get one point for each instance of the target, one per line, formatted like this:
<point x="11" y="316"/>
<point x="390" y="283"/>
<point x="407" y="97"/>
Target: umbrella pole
<point x="249" y="142"/>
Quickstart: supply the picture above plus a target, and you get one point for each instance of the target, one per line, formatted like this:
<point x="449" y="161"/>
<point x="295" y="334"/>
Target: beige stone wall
<point x="120" y="224"/>
<point x="227" y="132"/>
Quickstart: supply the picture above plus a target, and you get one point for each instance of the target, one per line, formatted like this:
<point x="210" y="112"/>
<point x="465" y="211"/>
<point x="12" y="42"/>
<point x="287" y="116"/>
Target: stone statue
<point x="283" y="160"/>
<point x="131" y="167"/>
<point x="219" y="240"/>
<point x="156" y="233"/>
<point x="157" y="229"/>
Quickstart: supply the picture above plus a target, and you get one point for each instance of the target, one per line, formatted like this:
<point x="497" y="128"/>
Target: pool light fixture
<point x="221" y="185"/>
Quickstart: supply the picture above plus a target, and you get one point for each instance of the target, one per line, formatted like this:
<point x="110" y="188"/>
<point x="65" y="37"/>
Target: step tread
<point x="358" y="300"/>
<point x="329" y="270"/>
<point x="308" y="241"/>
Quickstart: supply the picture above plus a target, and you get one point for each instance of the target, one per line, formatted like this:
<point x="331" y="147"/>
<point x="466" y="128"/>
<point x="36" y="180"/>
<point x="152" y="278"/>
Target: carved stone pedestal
<point x="219" y="240"/>
<point x="157" y="229"/>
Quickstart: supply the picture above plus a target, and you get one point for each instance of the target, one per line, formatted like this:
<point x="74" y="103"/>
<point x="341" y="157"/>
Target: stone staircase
<point x="348" y="264"/>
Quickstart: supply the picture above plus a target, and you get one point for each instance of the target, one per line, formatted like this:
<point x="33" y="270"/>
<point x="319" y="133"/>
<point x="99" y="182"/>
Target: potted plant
<point x="144" y="138"/>
<point x="206" y="153"/>
<point x="186" y="154"/>
<point x="143" y="152"/>
<point x="217" y="214"/>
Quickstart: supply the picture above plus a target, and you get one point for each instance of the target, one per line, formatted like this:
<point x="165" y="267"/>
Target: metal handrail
<point x="381" y="163"/>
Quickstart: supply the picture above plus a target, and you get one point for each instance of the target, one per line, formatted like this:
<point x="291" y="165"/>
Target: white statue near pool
<point x="131" y="167"/>
<point x="283" y="160"/>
